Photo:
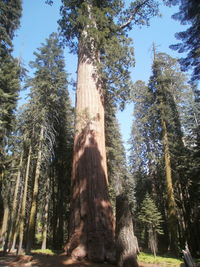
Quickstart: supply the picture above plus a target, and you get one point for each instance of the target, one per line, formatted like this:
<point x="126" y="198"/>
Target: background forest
<point x="43" y="156"/>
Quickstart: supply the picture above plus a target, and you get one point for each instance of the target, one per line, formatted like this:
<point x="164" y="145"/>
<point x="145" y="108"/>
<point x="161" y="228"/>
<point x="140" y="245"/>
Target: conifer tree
<point x="189" y="13"/>
<point x="151" y="219"/>
<point x="48" y="117"/>
<point x="190" y="124"/>
<point x="9" y="70"/>
<point x="158" y="142"/>
<point x="115" y="152"/>
<point x="9" y="74"/>
<point x="96" y="30"/>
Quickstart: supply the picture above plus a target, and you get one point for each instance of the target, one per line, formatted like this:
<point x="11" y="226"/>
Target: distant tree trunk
<point x="152" y="240"/>
<point x="13" y="217"/>
<point x="45" y="218"/>
<point x="55" y="211"/>
<point x="1" y="198"/>
<point x="60" y="208"/>
<point x="14" y="239"/>
<point x="16" y="229"/>
<point x="91" y="226"/>
<point x="23" y="208"/>
<point x="126" y="241"/>
<point x="33" y="212"/>
<point x="4" y="224"/>
<point x="171" y="211"/>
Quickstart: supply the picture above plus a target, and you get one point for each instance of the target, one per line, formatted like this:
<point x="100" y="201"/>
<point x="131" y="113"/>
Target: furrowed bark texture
<point x="126" y="241"/>
<point x="91" y="227"/>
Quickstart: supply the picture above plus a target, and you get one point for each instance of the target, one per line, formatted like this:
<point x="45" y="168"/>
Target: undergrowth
<point x="164" y="261"/>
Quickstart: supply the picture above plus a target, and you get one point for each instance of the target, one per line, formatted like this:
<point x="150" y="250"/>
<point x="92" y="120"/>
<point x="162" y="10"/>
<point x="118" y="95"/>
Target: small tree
<point x="151" y="219"/>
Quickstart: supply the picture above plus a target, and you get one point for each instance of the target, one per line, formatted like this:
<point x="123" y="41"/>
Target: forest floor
<point x="39" y="260"/>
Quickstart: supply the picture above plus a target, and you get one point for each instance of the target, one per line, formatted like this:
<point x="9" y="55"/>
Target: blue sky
<point x="39" y="20"/>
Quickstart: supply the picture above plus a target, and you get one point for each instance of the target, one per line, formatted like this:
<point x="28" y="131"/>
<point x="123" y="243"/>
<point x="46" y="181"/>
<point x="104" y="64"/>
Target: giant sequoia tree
<point x="96" y="30"/>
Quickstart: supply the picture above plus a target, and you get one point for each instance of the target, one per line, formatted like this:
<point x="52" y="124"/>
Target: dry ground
<point x="39" y="260"/>
<point x="45" y="261"/>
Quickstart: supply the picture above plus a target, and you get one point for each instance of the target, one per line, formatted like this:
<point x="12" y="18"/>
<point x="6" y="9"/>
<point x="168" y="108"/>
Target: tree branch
<point x="135" y="11"/>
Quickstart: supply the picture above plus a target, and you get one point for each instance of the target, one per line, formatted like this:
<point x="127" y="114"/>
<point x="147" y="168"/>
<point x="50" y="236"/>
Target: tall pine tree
<point x="189" y="13"/>
<point x="50" y="122"/>
<point x="9" y="76"/>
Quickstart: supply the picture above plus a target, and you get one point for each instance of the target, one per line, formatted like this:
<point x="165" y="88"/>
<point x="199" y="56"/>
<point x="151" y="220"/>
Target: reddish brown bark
<point x="91" y="229"/>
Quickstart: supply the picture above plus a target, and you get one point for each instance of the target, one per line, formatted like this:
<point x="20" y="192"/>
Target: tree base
<point x="96" y="248"/>
<point x="126" y="242"/>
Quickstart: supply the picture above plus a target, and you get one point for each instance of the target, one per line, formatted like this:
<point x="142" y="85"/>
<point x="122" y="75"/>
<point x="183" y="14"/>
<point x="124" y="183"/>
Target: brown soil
<point x="39" y="260"/>
<point x="46" y="261"/>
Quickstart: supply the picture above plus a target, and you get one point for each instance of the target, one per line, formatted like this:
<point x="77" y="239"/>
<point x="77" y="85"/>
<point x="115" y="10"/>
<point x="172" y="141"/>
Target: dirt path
<point x="39" y="260"/>
<point x="45" y="261"/>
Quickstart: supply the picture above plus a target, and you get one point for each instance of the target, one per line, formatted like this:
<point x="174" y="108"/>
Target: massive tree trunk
<point x="91" y="226"/>
<point x="33" y="212"/>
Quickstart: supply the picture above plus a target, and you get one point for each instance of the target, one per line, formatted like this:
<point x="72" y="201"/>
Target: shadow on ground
<point x="40" y="260"/>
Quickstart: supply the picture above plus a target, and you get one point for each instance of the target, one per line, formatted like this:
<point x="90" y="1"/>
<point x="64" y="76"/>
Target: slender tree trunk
<point x="13" y="218"/>
<point x="60" y="208"/>
<point x="55" y="211"/>
<point x="4" y="227"/>
<point x="1" y="199"/>
<point x="45" y="219"/>
<point x="14" y="239"/>
<point x="91" y="226"/>
<point x="23" y="208"/>
<point x="172" y="216"/>
<point x="33" y="212"/>
<point x="16" y="230"/>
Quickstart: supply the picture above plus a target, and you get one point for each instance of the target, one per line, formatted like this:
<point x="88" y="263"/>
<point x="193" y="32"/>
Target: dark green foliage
<point x="102" y="26"/>
<point x="9" y="88"/>
<point x="51" y="100"/>
<point x="189" y="11"/>
<point x="9" y="67"/>
<point x="161" y="103"/>
<point x="149" y="214"/>
<point x="10" y="13"/>
<point x="116" y="158"/>
<point x="150" y="219"/>
<point x="190" y="122"/>
<point x="9" y="21"/>
<point x="49" y="107"/>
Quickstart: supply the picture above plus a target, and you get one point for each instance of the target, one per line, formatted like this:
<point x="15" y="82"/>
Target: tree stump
<point x="126" y="241"/>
